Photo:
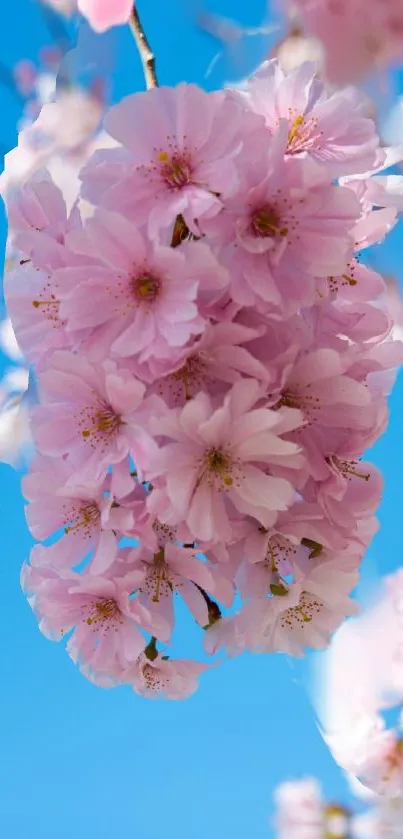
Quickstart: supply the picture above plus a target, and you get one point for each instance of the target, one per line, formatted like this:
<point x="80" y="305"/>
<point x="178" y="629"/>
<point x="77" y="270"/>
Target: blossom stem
<point x="146" y="54"/>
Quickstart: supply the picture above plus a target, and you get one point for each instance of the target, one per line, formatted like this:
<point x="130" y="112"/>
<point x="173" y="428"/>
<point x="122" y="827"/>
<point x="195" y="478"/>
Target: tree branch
<point x="146" y="54"/>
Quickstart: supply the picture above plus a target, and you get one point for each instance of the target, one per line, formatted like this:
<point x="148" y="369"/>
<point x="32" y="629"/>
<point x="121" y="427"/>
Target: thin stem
<point x="146" y="54"/>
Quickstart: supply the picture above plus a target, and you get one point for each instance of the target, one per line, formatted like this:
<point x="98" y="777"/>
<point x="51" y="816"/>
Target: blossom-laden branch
<point x="200" y="430"/>
<point x="146" y="54"/>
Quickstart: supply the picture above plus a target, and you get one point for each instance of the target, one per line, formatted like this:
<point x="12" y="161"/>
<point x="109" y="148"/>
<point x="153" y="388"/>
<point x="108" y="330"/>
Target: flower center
<point x="164" y="532"/>
<point x="297" y="617"/>
<point x="48" y="304"/>
<point x="303" y="134"/>
<point x="218" y="461"/>
<point x="88" y="516"/>
<point x="220" y="470"/>
<point x="103" y="611"/>
<point x="347" y="468"/>
<point x="154" y="679"/>
<point x="97" y="425"/>
<point x="146" y="287"/>
<point x="182" y="384"/>
<point x="158" y="583"/>
<point x="266" y="222"/>
<point x="304" y="400"/>
<point x="279" y="554"/>
<point x="175" y="169"/>
<point x="345" y="280"/>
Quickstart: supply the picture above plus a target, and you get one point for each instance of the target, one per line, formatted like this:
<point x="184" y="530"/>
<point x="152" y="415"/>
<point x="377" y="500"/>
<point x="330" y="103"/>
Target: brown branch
<point x="146" y="54"/>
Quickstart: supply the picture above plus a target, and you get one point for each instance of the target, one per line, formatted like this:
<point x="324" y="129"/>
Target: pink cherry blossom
<point x="304" y="614"/>
<point x="81" y="512"/>
<point x="157" y="677"/>
<point x="176" y="570"/>
<point x="218" y="460"/>
<point x="282" y="232"/>
<point x="330" y="130"/>
<point x="183" y="146"/>
<point x="214" y="361"/>
<point x="89" y="414"/>
<point x="105" y="621"/>
<point x="102" y="14"/>
<point x="357" y="36"/>
<point x="38" y="217"/>
<point x="146" y="293"/>
<point x="299" y="810"/>
<point x="33" y="300"/>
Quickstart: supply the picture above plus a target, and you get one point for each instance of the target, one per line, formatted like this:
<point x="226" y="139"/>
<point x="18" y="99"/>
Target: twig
<point x="146" y="54"/>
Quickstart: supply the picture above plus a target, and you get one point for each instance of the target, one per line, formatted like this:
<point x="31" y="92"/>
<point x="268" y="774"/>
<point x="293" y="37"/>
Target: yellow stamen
<point x="295" y="128"/>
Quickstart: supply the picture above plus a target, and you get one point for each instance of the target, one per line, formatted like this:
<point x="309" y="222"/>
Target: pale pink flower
<point x="351" y="490"/>
<point x="183" y="146"/>
<point x="280" y="232"/>
<point x="296" y="49"/>
<point x="225" y="633"/>
<point x="89" y="414"/>
<point x="317" y="383"/>
<point x="358" y="36"/>
<point x="218" y="461"/>
<point x="299" y="810"/>
<point x="102" y="14"/>
<point x="373" y="753"/>
<point x="153" y="678"/>
<point x="39" y="221"/>
<point x="177" y="570"/>
<point x="33" y="300"/>
<point x="306" y="614"/>
<point x="81" y="513"/>
<point x="330" y="130"/>
<point x="212" y="363"/>
<point x="146" y="293"/>
<point x="106" y="622"/>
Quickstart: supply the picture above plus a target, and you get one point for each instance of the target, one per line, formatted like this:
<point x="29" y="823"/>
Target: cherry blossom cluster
<point x="358" y="36"/>
<point x="212" y="360"/>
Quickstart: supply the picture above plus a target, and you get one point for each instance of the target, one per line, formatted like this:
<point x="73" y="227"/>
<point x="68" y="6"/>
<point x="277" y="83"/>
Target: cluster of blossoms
<point x="212" y="361"/>
<point x="301" y="812"/>
<point x="367" y="654"/>
<point x="358" y="37"/>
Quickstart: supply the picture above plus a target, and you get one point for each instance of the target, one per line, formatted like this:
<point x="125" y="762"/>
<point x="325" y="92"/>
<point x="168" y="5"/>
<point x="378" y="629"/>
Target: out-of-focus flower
<point x="102" y="14"/>
<point x="15" y="437"/>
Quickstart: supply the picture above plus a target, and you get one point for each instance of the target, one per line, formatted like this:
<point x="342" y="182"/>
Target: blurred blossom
<point x="299" y="810"/>
<point x="296" y="48"/>
<point x="15" y="438"/>
<point x="362" y="675"/>
<point x="64" y="7"/>
<point x="302" y="813"/>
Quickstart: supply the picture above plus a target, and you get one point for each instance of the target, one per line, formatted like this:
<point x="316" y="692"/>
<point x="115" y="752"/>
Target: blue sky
<point x="78" y="761"/>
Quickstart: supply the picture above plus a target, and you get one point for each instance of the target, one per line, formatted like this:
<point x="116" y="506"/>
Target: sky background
<point x="79" y="762"/>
